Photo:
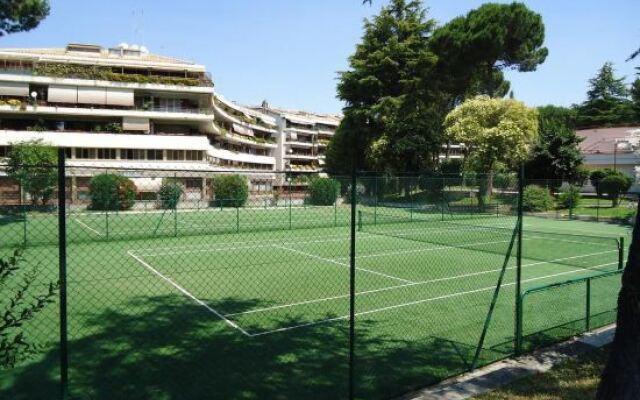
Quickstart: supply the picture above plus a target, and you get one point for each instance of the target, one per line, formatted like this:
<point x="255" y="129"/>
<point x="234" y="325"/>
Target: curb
<point x="503" y="372"/>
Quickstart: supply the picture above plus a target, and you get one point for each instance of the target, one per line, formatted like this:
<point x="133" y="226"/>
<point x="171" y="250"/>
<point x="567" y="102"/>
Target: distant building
<point x="613" y="148"/>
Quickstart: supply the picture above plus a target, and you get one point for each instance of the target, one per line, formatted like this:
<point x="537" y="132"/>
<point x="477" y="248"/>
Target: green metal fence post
<point x="621" y="253"/>
<point x="520" y="323"/>
<point x="62" y="274"/>
<point x="352" y="285"/>
<point x="24" y="214"/>
<point x="106" y="224"/>
<point x="290" y="200"/>
<point x="335" y="212"/>
<point x="588" y="306"/>
<point x="237" y="218"/>
<point x="520" y="223"/>
<point x="360" y="220"/>
<point x="175" y="209"/>
<point x="410" y="201"/>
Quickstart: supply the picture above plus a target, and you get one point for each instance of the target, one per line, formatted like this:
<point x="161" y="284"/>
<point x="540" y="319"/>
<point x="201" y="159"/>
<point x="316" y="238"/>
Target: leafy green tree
<point x="22" y="298"/>
<point x="635" y="97"/>
<point x="33" y="165"/>
<point x="21" y="15"/>
<point x="495" y="132"/>
<point x="170" y="193"/>
<point x="387" y="120"/>
<point x="323" y="191"/>
<point x="556" y="154"/>
<point x="607" y="101"/>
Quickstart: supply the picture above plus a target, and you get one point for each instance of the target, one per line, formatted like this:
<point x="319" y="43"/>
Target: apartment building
<point x="126" y="108"/>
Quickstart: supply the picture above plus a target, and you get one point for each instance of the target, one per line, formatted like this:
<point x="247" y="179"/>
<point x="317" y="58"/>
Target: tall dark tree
<point x="381" y="94"/>
<point x="21" y="15"/>
<point x="621" y="376"/>
<point x="473" y="50"/>
<point x="607" y="101"/>
<point x="635" y="97"/>
<point x="556" y="155"/>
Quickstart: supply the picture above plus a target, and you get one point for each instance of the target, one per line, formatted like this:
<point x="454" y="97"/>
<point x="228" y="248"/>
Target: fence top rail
<point x="542" y="288"/>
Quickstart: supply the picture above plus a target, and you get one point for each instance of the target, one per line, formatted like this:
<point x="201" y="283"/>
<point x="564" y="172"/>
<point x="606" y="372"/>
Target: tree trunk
<point x="621" y="376"/>
<point x="485" y="190"/>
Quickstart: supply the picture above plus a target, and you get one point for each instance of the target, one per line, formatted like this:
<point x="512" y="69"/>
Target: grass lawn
<point x="604" y="208"/>
<point x="576" y="379"/>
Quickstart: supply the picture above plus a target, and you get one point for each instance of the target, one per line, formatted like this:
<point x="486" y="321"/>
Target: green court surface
<point x="254" y="303"/>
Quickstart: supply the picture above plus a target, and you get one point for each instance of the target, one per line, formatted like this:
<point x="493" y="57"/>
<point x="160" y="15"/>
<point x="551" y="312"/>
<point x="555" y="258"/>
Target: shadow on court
<point x="168" y="348"/>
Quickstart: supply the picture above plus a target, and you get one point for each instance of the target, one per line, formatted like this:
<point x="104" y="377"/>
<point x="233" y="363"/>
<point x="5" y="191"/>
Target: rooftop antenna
<point x="138" y="16"/>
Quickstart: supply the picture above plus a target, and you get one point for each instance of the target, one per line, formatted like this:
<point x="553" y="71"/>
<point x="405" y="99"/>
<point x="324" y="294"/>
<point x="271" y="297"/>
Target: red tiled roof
<point x="602" y="140"/>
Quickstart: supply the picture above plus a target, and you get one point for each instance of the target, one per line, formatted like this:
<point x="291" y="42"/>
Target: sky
<point x="288" y="52"/>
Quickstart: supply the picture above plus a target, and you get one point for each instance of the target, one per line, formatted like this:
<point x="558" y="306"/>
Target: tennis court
<point x="272" y="284"/>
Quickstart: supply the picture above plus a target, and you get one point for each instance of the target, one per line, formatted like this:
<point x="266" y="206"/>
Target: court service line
<point x="332" y="261"/>
<point x="88" y="227"/>
<point x="188" y="294"/>
<point x="448" y="296"/>
<point x="388" y="288"/>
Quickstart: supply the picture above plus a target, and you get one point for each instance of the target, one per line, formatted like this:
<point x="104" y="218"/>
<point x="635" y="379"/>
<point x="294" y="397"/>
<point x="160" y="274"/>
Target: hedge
<point x="111" y="192"/>
<point x="323" y="191"/>
<point x="230" y="190"/>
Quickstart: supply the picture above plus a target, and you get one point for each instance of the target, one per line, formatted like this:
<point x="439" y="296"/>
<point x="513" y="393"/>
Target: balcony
<point x="294" y="156"/>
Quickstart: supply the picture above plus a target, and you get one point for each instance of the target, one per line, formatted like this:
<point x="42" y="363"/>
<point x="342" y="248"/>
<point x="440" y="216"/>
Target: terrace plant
<point x="230" y="190"/>
<point x="22" y="298"/>
<point x="111" y="192"/>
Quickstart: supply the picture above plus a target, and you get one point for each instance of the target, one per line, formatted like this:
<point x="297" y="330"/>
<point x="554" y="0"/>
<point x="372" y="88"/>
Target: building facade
<point x="125" y="108"/>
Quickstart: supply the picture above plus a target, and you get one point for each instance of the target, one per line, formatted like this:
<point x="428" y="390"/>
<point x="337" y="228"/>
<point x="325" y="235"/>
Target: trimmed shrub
<point x="230" y="190"/>
<point x="323" y="191"/>
<point x="614" y="186"/>
<point x="111" y="192"/>
<point x="596" y="176"/>
<point x="536" y="198"/>
<point x="170" y="193"/>
<point x="569" y="196"/>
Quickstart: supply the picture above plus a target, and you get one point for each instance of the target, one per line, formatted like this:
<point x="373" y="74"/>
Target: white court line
<point x="389" y="288"/>
<point x="448" y="296"/>
<point x="188" y="294"/>
<point x="88" y="227"/>
<point x="330" y="260"/>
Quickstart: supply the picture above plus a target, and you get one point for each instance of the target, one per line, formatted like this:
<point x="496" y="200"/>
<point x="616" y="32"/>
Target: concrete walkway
<point x="503" y="372"/>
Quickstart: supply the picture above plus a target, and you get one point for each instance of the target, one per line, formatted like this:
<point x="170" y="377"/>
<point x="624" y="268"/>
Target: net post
<point x="621" y="253"/>
<point x="588" y="306"/>
<point x="518" y="290"/>
<point x="62" y="274"/>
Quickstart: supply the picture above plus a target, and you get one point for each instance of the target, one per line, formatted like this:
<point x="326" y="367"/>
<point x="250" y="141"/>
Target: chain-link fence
<point x="235" y="284"/>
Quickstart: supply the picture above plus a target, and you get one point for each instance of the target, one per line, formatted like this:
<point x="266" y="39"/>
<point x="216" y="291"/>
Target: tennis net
<point x="487" y="235"/>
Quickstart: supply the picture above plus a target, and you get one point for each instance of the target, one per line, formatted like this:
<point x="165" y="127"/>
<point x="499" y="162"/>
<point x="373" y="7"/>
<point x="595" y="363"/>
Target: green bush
<point x="170" y="193"/>
<point x="582" y="174"/>
<point x="596" y="176"/>
<point x="536" y="198"/>
<point x="323" y="191"/>
<point x="614" y="186"/>
<point x="230" y="190"/>
<point x="111" y="192"/>
<point x="505" y="180"/>
<point x="569" y="196"/>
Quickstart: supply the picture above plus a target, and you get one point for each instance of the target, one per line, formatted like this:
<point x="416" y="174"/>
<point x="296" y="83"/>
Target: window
<point x="67" y="152"/>
<point x="132" y="154"/>
<point x="193" y="183"/>
<point x="175" y="155"/>
<point x="106" y="154"/>
<point x="3" y="151"/>
<point x="87" y="154"/>
<point x="154" y="155"/>
<point x="194" y="155"/>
